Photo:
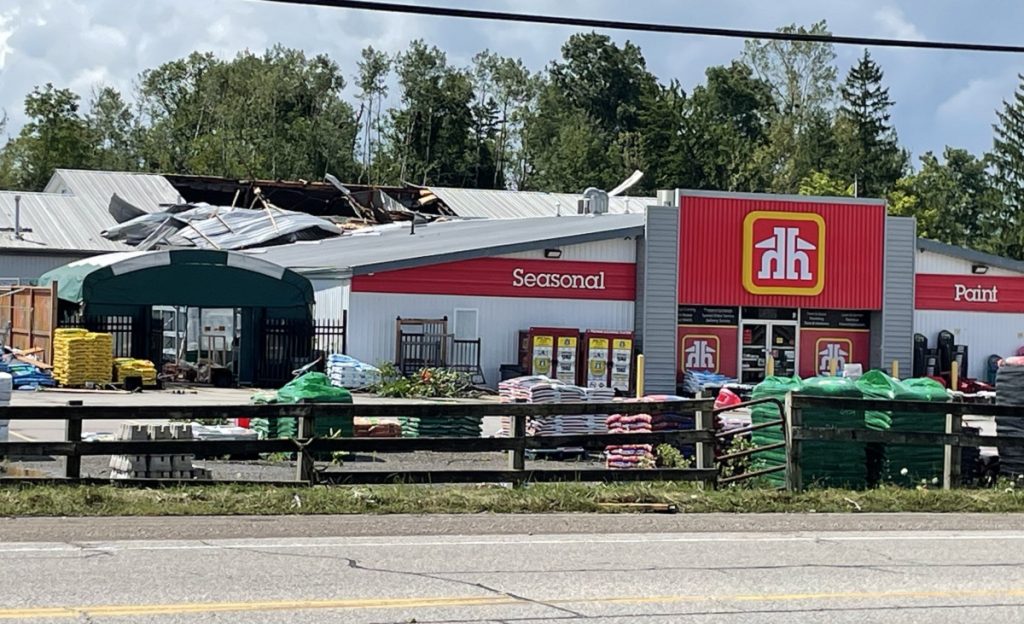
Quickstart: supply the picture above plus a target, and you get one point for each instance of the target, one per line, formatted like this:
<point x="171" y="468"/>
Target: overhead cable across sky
<point x="583" y="22"/>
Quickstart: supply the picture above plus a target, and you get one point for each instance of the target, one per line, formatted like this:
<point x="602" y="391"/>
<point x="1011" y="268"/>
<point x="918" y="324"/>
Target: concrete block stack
<point x="82" y="357"/>
<point x="155" y="466"/>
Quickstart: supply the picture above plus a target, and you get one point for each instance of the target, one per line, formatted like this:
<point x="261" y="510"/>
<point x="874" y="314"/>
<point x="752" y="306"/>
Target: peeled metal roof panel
<point x="499" y="204"/>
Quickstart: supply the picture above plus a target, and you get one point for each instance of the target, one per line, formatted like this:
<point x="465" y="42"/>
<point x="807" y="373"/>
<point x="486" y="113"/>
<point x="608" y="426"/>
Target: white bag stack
<point x="349" y="373"/>
<point x="6" y="388"/>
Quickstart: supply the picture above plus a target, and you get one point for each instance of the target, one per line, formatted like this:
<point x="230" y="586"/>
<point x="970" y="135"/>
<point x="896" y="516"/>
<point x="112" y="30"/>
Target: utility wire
<point x="581" y="22"/>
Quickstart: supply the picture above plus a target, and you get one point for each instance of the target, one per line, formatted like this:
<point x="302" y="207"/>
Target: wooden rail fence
<point x="306" y="445"/>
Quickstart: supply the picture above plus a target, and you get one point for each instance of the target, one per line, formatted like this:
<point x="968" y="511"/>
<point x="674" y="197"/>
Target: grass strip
<point x="221" y="499"/>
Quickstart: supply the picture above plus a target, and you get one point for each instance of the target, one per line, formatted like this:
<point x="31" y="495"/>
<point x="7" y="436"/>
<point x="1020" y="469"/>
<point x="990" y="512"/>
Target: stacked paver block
<point x="155" y="466"/>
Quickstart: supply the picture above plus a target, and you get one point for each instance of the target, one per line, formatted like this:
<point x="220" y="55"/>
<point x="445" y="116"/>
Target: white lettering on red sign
<point x="975" y="295"/>
<point x="568" y="281"/>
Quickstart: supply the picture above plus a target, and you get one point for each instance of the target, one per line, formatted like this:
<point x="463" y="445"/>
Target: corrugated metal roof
<point x="469" y="203"/>
<point x="147" y="191"/>
<point x="392" y="246"/>
<point x="970" y="255"/>
<point x="57" y="222"/>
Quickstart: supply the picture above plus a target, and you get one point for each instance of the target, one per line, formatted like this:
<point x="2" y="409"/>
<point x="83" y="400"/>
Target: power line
<point x="581" y="22"/>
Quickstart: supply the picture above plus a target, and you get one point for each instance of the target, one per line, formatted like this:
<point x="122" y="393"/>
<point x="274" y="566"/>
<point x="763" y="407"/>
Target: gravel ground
<point x="265" y="470"/>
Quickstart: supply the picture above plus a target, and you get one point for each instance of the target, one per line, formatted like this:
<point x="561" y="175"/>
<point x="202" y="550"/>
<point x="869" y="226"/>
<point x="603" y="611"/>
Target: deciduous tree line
<point x="781" y="118"/>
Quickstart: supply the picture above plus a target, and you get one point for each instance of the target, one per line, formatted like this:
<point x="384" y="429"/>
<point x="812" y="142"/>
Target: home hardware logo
<point x="700" y="353"/>
<point x="783" y="253"/>
<point x="569" y="281"/>
<point x="828" y="349"/>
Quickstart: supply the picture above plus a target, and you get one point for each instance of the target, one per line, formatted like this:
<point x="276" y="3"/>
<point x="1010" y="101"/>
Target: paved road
<point x="573" y="576"/>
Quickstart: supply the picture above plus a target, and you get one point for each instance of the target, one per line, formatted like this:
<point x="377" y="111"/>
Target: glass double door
<point x="760" y="339"/>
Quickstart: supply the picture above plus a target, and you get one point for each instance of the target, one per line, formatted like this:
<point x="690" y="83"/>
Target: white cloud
<point x="895" y="24"/>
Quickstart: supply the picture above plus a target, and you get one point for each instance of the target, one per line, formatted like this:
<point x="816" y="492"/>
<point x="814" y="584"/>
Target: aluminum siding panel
<point x="641" y="297"/>
<point x="372" y="322"/>
<point x="329" y="295"/>
<point x="898" y="296"/>
<point x="930" y="262"/>
<point x="661" y="277"/>
<point x="613" y="250"/>
<point x="31" y="266"/>
<point x="984" y="333"/>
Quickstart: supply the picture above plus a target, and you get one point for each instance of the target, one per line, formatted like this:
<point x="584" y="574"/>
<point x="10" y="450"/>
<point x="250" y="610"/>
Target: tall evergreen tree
<point x="1008" y="156"/>
<point x="869" y="151"/>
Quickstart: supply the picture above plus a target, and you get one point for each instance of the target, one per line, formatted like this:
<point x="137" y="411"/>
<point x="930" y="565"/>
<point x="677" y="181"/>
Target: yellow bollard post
<point x="640" y="376"/>
<point x="895" y="369"/>
<point x="769" y="366"/>
<point x="954" y="376"/>
<point x="833" y="367"/>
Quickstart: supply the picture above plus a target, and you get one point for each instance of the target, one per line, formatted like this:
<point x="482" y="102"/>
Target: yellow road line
<point x="31" y="613"/>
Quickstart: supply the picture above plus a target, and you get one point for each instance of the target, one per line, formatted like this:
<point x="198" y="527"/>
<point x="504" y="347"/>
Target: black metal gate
<point x="120" y="327"/>
<point x="289" y="344"/>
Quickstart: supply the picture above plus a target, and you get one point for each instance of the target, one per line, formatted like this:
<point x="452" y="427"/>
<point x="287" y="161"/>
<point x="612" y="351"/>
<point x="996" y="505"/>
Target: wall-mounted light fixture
<point x="979" y="269"/>
<point x="552" y="253"/>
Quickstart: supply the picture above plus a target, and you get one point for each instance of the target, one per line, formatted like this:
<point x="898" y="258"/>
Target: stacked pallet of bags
<point x="839" y="464"/>
<point x="770" y="388"/>
<point x="1010" y="391"/>
<point x="908" y="465"/>
<point x="81" y="357"/>
<point x="309" y="388"/>
<point x="130" y="367"/>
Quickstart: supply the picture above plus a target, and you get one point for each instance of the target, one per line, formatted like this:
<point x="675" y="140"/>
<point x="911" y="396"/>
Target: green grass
<point x="105" y="500"/>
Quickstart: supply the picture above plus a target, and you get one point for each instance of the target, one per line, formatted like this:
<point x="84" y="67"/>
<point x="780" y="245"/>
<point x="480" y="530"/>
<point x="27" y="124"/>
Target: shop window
<point x="467" y="324"/>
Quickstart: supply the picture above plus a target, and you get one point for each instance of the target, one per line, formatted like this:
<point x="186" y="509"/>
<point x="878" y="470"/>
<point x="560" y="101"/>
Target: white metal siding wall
<point x="930" y="262"/>
<point x="331" y="296"/>
<point x="371" y="329"/>
<point x="984" y="333"/>
<point x="661" y="299"/>
<point x="898" y="298"/>
<point x="614" y="250"/>
<point x="31" y="266"/>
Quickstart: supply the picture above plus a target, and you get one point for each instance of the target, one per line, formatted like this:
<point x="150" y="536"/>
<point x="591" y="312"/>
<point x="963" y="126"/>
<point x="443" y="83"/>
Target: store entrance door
<point x="761" y="338"/>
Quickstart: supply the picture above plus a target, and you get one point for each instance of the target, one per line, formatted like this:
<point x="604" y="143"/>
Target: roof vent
<point x="594" y="201"/>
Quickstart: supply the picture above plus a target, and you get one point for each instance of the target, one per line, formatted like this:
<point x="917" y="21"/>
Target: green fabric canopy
<point x="185" y="277"/>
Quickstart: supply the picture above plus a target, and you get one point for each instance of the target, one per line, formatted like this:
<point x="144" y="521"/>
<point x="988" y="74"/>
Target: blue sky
<point x="941" y="97"/>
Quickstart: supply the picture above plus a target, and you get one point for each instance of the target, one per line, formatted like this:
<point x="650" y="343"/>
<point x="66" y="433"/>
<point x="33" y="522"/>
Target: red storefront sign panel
<point x="782" y="253"/>
<point x="508" y="277"/>
<point x="975" y="293"/>
<point x="708" y="349"/>
<point x="819" y="346"/>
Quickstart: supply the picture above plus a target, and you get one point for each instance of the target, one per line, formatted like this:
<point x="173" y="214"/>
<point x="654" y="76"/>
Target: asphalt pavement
<point x="601" y="569"/>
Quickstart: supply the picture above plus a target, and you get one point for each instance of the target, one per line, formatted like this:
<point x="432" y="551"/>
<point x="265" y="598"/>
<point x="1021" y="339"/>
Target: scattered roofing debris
<point x="215" y="227"/>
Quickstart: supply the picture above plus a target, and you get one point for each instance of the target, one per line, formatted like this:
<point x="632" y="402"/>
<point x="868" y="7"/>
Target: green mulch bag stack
<point x="833" y="464"/>
<point x="317" y="388"/>
<point x="876" y="384"/>
<point x="770" y="388"/>
<point x="920" y="462"/>
<point x="442" y="427"/>
<point x="309" y="388"/>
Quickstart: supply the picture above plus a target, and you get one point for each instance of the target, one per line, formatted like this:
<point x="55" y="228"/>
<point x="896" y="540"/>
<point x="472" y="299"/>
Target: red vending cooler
<point x="552" y="352"/>
<point x="608" y="360"/>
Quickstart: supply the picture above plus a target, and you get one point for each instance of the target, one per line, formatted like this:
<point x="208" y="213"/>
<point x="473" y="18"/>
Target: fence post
<point x="517" y="456"/>
<point x="951" y="453"/>
<point x="792" y="418"/>
<point x="73" y="434"/>
<point x="303" y="458"/>
<point x="705" y="421"/>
